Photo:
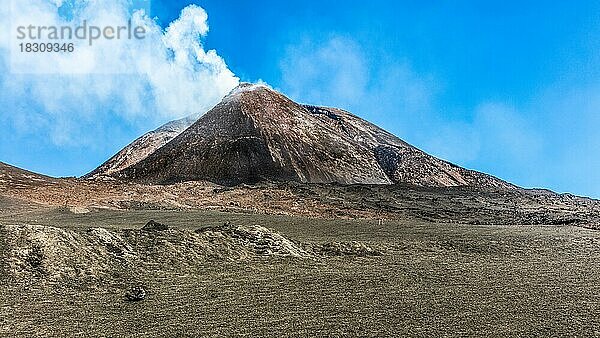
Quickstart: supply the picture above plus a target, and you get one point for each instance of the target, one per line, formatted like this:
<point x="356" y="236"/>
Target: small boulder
<point x="155" y="226"/>
<point x="135" y="294"/>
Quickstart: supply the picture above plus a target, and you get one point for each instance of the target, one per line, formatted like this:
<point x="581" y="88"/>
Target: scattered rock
<point x="155" y="226"/>
<point x="135" y="294"/>
<point x="111" y="241"/>
<point x="347" y="249"/>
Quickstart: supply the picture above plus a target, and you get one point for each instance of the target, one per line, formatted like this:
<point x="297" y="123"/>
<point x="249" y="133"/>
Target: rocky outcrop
<point x="257" y="239"/>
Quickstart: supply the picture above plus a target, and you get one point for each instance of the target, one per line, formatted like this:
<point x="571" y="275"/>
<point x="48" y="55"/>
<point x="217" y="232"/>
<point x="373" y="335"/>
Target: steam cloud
<point x="76" y="97"/>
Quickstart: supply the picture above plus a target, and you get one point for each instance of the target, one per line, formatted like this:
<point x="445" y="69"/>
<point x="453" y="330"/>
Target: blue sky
<point x="510" y="88"/>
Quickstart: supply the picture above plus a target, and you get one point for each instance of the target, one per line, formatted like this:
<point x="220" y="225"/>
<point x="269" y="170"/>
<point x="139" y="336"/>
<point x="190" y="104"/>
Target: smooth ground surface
<point x="435" y="280"/>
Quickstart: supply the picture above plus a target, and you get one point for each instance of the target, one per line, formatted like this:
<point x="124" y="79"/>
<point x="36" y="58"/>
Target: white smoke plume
<point x="74" y="98"/>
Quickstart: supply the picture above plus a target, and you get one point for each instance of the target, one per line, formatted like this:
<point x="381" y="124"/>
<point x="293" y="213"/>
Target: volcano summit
<point x="257" y="134"/>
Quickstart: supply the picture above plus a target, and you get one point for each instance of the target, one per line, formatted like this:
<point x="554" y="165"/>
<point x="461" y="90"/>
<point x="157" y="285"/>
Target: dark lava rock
<point x="35" y="259"/>
<point x="155" y="226"/>
<point x="135" y="294"/>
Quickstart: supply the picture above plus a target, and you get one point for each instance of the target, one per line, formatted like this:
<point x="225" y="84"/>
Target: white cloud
<point x="74" y="98"/>
<point x="506" y="134"/>
<point x="335" y="70"/>
<point x="340" y="72"/>
<point x="497" y="139"/>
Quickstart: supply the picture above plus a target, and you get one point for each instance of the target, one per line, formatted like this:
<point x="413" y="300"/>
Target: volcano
<point x="142" y="147"/>
<point x="257" y="134"/>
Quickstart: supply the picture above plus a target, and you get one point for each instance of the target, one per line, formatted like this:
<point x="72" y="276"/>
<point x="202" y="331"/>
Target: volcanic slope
<point x="11" y="176"/>
<point x="143" y="146"/>
<point x="257" y="134"/>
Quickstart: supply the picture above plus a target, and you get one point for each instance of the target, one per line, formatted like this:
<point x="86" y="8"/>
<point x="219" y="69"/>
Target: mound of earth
<point x="155" y="226"/>
<point x="257" y="239"/>
<point x="56" y="255"/>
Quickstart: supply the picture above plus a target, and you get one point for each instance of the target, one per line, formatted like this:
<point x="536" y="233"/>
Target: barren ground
<point x="294" y="260"/>
<point x="433" y="280"/>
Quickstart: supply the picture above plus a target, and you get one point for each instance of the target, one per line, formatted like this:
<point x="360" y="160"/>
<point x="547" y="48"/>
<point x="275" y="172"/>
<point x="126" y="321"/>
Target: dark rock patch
<point x="35" y="259"/>
<point x="155" y="226"/>
<point x="135" y="294"/>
